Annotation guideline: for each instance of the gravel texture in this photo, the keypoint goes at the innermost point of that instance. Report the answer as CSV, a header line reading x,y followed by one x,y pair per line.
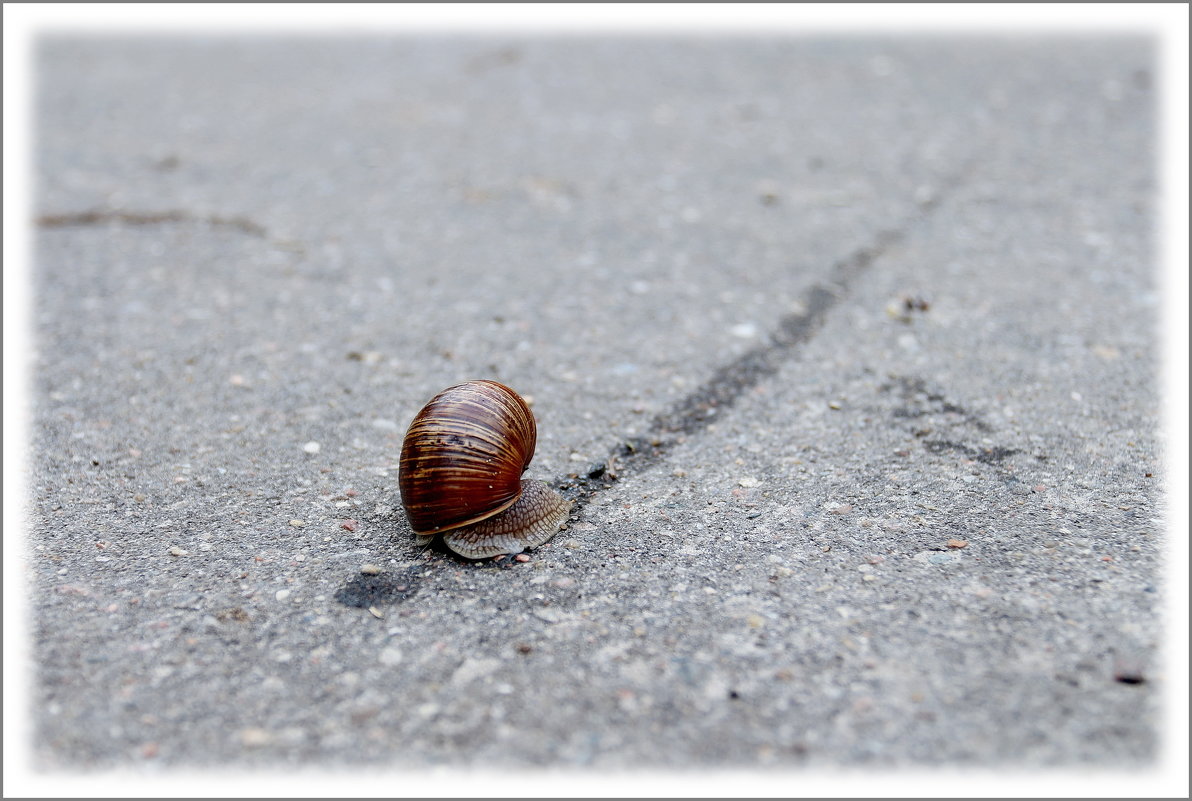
x,y
856,336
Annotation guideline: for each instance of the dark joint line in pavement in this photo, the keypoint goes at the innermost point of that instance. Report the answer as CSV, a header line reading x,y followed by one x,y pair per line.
x,y
692,414
99,217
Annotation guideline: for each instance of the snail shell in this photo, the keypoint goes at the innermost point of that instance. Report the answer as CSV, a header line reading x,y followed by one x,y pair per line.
x,y
460,473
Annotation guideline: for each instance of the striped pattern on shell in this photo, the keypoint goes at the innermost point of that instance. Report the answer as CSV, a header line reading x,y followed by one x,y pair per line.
x,y
464,454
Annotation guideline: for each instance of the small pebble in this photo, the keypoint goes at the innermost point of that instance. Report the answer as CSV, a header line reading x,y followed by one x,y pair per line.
x,y
370,570
176,551
843,509
1128,671
749,481
522,557
375,612
297,523
282,595
255,738
312,447
348,525
957,543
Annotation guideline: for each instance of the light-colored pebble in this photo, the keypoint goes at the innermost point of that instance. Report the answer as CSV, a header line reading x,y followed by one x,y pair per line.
x,y
255,737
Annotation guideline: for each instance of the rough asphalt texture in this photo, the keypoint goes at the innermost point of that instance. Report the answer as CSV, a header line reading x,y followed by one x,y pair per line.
x,y
826,308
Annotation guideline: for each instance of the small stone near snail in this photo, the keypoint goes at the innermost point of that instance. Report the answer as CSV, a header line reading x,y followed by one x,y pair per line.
x,y
460,473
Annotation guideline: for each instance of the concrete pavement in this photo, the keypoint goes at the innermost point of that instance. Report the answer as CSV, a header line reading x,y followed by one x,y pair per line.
x,y
856,337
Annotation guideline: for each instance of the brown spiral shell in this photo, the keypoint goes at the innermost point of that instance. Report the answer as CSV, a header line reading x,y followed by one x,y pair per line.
x,y
463,456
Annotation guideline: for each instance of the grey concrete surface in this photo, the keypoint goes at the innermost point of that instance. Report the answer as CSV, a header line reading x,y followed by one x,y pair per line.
x,y
876,317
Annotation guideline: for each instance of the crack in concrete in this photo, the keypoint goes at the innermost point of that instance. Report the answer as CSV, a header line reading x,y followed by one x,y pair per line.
x,y
694,413
107,217
912,389
993,455
921,402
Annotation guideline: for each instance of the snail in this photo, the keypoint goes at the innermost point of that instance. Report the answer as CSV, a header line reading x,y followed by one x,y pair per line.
x,y
460,473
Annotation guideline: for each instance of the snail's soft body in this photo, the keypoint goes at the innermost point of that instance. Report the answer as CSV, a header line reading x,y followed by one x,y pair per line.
x,y
460,473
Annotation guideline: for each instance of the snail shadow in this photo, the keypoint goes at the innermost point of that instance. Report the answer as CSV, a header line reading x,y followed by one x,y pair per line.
x,y
396,541
372,587
383,589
